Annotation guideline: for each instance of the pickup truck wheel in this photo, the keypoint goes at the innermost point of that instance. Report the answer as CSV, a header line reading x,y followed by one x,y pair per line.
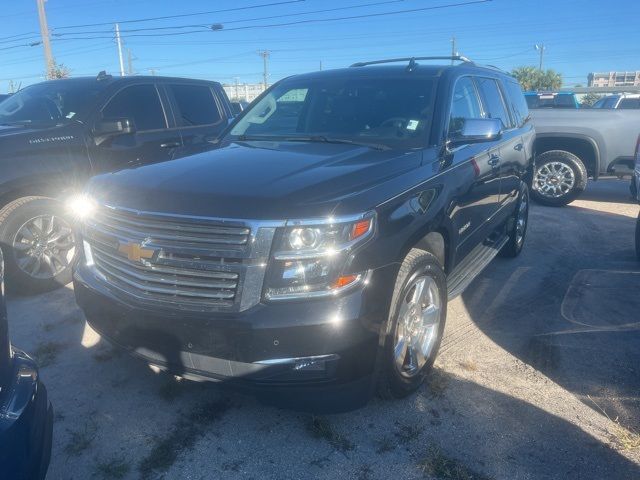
x,y
415,326
38,244
559,178
517,225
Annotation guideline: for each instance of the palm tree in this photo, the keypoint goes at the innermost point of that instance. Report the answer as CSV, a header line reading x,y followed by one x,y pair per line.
x,y
532,78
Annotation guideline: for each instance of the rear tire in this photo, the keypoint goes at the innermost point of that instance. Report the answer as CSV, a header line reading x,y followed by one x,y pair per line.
x,y
402,372
517,225
38,243
559,178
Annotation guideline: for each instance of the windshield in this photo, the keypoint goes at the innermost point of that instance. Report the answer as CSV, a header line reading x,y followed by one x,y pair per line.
x,y
394,112
551,100
48,103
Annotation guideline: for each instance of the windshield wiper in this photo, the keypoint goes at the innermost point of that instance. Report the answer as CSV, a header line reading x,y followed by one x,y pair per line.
x,y
325,139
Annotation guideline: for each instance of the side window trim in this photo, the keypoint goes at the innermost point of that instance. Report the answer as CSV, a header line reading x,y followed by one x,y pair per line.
x,y
162,105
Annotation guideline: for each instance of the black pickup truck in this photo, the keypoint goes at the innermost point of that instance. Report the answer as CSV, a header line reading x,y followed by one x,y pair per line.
x,y
315,250
55,135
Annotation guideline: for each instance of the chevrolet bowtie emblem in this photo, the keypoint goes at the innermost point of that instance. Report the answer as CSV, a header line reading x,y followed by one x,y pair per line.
x,y
135,252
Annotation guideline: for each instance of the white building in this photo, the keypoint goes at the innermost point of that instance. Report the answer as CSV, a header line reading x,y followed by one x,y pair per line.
x,y
614,79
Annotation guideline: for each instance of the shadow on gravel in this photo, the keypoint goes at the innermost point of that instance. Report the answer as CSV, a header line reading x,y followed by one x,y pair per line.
x,y
569,305
146,424
608,190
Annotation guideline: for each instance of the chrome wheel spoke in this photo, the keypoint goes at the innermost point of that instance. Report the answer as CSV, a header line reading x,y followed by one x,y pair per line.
x,y
44,246
417,327
400,353
554,179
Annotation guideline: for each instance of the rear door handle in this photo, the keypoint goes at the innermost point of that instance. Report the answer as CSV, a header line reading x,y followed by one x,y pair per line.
x,y
494,159
170,145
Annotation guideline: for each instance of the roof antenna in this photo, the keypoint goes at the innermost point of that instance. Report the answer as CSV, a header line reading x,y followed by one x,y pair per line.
x,y
412,65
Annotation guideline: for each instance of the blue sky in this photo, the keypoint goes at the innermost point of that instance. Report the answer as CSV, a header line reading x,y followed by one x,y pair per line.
x,y
580,36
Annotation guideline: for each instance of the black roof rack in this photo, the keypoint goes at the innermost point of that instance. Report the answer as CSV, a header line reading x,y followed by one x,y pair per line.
x,y
412,60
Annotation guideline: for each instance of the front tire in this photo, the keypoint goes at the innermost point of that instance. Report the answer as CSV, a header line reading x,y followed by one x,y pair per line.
x,y
415,325
38,244
559,178
517,225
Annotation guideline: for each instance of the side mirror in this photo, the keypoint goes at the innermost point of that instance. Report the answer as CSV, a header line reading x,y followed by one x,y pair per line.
x,y
477,130
119,126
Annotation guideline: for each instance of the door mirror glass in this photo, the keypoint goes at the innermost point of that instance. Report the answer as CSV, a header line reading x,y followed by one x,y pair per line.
x,y
112,127
476,130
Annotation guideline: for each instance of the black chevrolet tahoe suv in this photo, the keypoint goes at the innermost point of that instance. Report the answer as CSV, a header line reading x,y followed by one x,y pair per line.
x,y
313,253
55,135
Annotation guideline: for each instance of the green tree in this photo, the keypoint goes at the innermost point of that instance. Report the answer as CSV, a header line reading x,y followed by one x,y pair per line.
x,y
532,78
589,99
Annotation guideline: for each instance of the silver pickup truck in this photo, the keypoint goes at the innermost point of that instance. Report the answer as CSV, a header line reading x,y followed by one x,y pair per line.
x,y
573,145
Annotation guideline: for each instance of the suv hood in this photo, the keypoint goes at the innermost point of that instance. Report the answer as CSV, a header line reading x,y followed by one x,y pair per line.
x,y
259,180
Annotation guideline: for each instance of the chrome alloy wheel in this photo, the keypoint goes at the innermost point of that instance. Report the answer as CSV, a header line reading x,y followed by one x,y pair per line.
x,y
521,219
44,246
554,179
418,324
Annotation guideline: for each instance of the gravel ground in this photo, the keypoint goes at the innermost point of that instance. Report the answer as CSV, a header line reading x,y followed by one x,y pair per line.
x,y
537,378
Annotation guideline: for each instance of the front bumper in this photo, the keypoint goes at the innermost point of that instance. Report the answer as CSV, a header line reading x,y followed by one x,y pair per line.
x,y
26,423
284,347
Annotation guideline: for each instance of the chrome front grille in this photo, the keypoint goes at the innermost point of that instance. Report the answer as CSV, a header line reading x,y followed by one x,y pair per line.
x,y
179,262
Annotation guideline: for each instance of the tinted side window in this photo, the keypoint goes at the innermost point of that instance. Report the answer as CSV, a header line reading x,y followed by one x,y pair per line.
x,y
517,102
197,105
465,104
494,105
630,103
139,103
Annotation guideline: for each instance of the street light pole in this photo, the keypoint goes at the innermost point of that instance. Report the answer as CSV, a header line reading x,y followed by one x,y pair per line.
x,y
46,39
265,58
119,42
541,48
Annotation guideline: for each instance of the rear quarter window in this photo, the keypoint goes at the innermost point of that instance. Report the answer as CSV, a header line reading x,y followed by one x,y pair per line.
x,y
516,102
196,105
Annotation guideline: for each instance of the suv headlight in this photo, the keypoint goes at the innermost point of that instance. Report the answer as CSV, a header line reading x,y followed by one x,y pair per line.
x,y
309,260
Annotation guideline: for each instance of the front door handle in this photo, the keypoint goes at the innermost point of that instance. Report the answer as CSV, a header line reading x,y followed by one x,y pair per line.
x,y
518,147
170,145
494,159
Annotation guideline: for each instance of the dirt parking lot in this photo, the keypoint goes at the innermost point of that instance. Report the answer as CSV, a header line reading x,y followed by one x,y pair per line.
x,y
538,377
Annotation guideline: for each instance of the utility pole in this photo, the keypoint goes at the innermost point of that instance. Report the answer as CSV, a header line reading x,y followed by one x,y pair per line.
x,y
265,58
453,48
320,65
11,87
237,80
46,39
119,42
129,61
541,48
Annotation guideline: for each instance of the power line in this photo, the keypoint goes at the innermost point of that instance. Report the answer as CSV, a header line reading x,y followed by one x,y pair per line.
x,y
167,17
208,26
298,22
